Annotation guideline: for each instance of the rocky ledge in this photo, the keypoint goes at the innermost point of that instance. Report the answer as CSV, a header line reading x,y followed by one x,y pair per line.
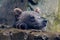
x,y
18,34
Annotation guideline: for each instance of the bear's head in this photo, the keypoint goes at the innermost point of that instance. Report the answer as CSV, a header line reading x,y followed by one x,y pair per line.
x,y
29,20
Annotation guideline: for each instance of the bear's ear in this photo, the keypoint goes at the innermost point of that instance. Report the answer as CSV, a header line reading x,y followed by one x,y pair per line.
x,y
37,10
17,11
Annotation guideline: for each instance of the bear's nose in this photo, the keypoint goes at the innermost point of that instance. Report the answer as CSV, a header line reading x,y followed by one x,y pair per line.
x,y
45,21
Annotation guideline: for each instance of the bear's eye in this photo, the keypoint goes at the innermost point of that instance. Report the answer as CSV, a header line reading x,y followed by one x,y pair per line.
x,y
32,17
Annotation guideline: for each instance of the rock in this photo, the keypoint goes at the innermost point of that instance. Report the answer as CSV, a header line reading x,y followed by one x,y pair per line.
x,y
17,34
12,35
